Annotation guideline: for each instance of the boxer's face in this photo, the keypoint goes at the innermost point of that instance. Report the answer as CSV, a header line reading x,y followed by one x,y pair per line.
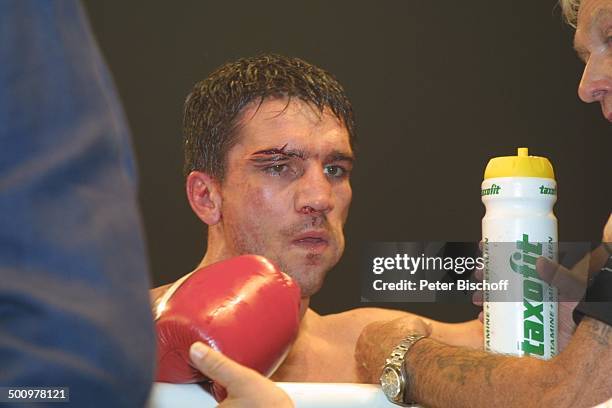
x,y
593,42
286,192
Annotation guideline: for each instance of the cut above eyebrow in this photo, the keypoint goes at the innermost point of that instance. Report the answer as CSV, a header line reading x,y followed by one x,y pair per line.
x,y
282,152
335,155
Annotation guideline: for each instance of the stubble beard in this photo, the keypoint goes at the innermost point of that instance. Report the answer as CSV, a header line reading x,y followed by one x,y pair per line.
x,y
308,271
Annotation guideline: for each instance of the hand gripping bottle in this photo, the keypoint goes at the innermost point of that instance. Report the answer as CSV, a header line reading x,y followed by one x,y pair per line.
x,y
519,226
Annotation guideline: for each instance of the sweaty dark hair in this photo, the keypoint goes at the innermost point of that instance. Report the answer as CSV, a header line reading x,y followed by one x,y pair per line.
x,y
213,108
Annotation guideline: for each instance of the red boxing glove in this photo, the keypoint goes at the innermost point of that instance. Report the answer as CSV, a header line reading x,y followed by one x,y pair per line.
x,y
243,307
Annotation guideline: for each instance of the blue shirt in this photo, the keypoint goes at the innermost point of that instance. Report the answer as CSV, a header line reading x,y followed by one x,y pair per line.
x,y
74,308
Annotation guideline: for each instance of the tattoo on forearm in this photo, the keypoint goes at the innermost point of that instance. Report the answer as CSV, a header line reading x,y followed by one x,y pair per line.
x,y
460,365
459,368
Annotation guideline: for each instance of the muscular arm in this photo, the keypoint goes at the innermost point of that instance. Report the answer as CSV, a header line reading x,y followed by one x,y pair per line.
x,y
448,376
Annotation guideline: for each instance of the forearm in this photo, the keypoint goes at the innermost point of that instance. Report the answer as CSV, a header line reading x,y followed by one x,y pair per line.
x,y
588,359
445,376
465,334
448,376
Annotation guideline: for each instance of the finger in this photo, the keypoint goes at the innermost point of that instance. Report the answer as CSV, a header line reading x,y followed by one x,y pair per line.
x,y
224,371
477,298
481,316
546,269
568,283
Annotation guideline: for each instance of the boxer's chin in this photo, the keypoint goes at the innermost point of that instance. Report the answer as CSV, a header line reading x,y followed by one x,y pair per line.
x,y
308,264
308,271
309,284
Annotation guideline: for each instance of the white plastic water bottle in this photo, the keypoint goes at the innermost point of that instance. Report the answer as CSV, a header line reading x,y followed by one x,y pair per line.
x,y
519,193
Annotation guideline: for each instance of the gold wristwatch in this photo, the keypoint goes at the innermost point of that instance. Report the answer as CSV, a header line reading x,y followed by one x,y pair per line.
x,y
394,380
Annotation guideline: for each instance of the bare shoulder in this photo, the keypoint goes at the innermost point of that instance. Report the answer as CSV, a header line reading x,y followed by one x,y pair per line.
x,y
157,292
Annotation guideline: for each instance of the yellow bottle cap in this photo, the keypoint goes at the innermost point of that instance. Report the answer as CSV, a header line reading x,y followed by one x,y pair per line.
x,y
521,165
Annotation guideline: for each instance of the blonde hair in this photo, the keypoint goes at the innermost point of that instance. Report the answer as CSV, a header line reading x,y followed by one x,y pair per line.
x,y
570,11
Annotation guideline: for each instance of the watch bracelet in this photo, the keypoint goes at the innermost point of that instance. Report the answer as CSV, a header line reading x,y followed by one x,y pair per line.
x,y
399,353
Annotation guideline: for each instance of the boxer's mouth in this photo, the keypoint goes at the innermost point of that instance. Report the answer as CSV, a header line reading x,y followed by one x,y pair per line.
x,y
312,240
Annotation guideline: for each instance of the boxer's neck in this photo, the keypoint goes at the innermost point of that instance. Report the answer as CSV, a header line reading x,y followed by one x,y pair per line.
x,y
216,249
304,302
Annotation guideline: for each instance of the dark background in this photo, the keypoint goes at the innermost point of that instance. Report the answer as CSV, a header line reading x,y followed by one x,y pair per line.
x,y
438,88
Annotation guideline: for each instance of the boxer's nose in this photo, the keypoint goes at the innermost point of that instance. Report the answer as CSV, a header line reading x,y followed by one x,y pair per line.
x,y
314,193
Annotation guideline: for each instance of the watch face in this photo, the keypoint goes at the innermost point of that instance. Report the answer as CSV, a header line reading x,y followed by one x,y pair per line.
x,y
390,382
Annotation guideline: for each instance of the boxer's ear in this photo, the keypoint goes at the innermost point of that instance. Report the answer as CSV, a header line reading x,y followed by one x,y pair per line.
x,y
204,195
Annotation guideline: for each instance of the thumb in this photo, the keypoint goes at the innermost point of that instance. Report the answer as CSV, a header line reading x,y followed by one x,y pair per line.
x,y
234,377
